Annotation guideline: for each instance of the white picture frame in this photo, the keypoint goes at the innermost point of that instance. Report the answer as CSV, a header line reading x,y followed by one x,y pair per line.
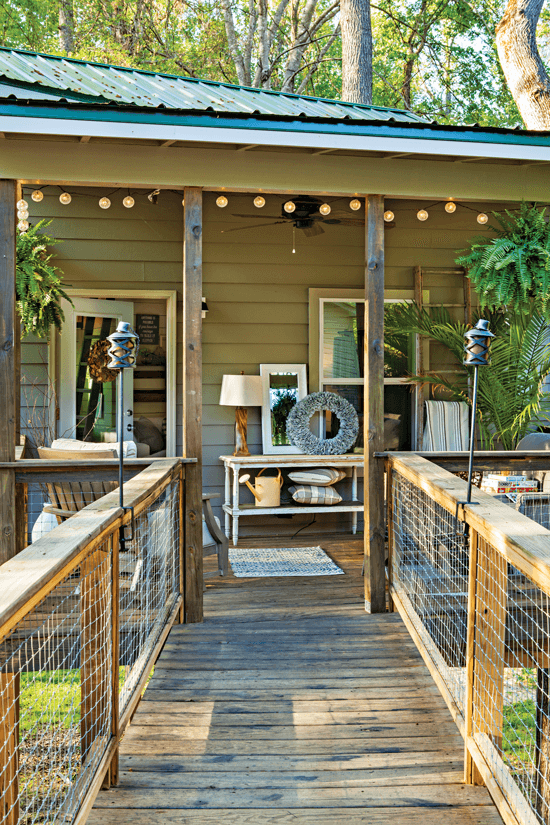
x,y
273,442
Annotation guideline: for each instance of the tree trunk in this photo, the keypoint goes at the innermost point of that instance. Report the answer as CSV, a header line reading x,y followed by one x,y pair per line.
x,y
66,26
356,51
521,63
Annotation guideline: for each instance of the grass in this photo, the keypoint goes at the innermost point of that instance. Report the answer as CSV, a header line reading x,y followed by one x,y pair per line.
x,y
519,734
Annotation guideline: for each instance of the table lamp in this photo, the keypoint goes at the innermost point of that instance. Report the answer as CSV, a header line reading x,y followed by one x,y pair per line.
x,y
241,391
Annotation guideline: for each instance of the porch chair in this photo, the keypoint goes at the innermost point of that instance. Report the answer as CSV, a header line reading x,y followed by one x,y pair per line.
x,y
68,497
220,542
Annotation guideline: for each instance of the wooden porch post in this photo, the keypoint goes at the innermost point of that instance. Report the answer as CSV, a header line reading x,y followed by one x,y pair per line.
x,y
375,580
8,547
192,401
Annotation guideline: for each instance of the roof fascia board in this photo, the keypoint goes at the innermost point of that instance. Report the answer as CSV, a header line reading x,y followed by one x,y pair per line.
x,y
371,137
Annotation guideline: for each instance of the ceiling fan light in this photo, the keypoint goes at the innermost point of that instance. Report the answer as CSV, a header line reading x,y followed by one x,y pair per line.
x,y
289,206
355,204
259,201
388,216
325,209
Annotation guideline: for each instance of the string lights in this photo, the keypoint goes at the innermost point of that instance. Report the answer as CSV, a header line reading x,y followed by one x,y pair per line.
x,y
450,206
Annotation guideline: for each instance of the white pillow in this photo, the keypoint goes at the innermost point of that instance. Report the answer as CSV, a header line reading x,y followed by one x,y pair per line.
x,y
319,478
130,449
315,495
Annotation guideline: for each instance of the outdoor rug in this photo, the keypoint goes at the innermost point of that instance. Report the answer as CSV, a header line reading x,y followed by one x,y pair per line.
x,y
281,561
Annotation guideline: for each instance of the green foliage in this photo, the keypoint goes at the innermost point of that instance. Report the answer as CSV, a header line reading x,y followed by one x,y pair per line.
x,y
38,283
512,270
511,390
519,733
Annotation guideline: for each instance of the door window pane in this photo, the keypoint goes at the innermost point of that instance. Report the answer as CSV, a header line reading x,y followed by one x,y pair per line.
x,y
95,400
343,336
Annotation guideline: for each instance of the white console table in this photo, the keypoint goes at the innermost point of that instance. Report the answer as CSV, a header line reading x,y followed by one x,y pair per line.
x,y
233,509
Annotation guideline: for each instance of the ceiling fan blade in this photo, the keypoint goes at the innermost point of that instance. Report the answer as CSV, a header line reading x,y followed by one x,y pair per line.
x,y
250,226
311,231
259,217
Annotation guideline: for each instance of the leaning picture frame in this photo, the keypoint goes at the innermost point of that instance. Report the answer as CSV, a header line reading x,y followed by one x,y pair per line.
x,y
283,385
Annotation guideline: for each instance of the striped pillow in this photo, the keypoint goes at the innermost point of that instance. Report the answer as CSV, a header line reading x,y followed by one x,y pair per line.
x,y
308,494
319,478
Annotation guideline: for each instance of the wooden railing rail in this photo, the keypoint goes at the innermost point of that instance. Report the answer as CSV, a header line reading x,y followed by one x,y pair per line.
x,y
472,583
80,629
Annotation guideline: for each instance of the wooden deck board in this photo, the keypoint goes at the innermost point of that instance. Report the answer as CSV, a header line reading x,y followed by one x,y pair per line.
x,y
291,706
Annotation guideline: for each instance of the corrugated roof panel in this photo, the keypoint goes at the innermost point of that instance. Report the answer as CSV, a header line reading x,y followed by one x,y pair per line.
x,y
43,75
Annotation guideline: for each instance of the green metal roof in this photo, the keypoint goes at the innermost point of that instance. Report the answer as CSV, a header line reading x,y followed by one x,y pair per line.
x,y
29,76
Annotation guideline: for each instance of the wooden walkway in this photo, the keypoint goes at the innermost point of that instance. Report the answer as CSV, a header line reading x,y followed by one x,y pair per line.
x,y
291,706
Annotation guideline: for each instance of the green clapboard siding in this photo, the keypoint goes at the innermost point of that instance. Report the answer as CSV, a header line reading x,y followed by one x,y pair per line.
x,y
255,286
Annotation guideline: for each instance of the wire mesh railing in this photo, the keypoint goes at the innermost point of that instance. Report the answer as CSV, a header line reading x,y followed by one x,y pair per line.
x,y
472,583
80,627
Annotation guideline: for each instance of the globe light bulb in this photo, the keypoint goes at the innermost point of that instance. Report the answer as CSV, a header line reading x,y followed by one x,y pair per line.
x,y
183,201
482,218
65,198
422,215
22,214
128,201
23,226
289,206
37,196
22,204
325,209
222,201
259,201
104,203
355,204
388,216
450,207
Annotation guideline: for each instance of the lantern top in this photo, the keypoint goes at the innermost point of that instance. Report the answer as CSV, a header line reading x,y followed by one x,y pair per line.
x,y
124,347
477,344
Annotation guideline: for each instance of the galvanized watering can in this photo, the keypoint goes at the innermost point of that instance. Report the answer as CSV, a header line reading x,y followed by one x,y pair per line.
x,y
267,490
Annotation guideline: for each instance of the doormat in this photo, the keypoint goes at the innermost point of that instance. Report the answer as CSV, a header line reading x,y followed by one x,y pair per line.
x,y
281,561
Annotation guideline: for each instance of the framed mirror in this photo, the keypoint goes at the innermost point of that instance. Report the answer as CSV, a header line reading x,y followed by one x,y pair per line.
x,y
283,385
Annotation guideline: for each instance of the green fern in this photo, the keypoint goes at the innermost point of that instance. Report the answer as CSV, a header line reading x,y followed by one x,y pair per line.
x,y
39,287
512,269
512,390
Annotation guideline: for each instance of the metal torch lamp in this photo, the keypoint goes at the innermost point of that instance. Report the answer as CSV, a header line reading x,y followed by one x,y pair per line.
x,y
123,354
477,347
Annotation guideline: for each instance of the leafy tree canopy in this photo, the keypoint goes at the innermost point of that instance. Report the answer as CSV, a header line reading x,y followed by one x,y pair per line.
x,y
434,57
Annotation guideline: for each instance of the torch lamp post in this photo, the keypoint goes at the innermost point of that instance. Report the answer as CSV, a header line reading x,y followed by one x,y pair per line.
x,y
123,353
476,354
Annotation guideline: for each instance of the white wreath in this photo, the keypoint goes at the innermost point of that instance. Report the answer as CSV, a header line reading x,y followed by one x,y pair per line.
x,y
299,434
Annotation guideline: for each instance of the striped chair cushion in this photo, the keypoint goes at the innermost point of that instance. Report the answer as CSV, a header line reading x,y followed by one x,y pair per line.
x,y
319,478
309,494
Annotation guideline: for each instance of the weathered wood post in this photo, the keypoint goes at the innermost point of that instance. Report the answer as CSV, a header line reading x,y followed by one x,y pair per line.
x,y
8,546
192,400
375,582
9,748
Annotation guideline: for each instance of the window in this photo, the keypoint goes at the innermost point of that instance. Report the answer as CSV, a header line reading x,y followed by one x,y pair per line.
x,y
337,321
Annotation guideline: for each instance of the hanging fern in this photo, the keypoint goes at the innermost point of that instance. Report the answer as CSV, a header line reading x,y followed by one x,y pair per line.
x,y
38,283
513,269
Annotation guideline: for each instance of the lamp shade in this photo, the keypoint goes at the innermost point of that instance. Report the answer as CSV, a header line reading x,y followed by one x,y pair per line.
x,y
241,391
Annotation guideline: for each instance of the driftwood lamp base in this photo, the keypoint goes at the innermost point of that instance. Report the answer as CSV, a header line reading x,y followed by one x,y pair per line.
x,y
241,418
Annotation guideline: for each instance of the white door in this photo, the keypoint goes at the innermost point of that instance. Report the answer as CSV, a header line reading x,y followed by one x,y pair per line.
x,y
87,408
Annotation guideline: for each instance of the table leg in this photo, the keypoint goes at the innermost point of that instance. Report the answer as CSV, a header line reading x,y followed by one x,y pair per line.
x,y
235,508
227,498
354,498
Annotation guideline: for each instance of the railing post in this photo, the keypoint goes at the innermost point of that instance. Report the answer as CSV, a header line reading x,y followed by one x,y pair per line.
x,y
9,748
486,653
389,511
471,773
95,648
111,777
181,545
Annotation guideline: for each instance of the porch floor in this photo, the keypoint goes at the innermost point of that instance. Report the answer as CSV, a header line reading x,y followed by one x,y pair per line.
x,y
291,705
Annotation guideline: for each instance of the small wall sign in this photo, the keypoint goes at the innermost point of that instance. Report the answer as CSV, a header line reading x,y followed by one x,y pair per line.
x,y
148,329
